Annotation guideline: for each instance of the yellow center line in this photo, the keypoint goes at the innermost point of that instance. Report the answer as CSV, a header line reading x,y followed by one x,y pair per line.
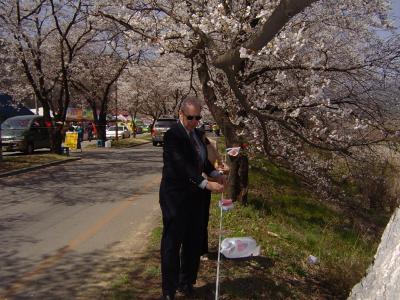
x,y
75,242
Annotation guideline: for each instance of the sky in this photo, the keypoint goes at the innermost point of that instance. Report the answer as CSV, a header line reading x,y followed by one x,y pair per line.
x,y
396,13
395,16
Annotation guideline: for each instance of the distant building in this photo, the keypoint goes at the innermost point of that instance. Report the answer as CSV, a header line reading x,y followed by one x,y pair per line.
x,y
39,111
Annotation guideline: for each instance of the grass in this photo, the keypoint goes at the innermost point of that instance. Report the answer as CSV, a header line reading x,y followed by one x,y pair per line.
x,y
140,279
129,142
290,223
16,162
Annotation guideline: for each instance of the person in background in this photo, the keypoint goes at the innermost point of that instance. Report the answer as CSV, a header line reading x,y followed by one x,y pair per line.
x,y
215,129
94,130
90,131
70,127
134,129
181,200
79,130
215,159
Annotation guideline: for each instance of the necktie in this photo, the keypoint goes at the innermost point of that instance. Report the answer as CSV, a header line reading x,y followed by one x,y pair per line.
x,y
197,148
194,143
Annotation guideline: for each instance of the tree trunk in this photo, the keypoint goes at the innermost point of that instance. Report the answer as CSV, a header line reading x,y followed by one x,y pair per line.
x,y
56,139
101,125
238,177
100,118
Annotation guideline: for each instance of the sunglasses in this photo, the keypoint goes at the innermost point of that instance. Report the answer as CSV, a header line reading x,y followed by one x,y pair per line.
x,y
190,118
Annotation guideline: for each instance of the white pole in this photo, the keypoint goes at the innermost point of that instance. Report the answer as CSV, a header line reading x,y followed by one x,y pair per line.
x,y
219,250
219,243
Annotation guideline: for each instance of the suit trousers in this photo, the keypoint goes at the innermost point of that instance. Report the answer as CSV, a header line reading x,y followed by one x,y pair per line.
x,y
181,241
206,217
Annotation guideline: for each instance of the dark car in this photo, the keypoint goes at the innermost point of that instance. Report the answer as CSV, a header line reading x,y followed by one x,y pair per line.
x,y
160,128
25,134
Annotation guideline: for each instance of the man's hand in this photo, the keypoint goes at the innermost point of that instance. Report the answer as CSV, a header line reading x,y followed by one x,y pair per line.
x,y
214,187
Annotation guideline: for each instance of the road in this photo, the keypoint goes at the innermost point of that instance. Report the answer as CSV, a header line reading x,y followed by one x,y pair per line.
x,y
62,226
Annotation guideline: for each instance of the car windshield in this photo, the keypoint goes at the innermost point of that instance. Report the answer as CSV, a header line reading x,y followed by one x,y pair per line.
x,y
15,124
112,128
164,123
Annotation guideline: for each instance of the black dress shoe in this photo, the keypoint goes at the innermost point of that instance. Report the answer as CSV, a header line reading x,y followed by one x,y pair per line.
x,y
187,290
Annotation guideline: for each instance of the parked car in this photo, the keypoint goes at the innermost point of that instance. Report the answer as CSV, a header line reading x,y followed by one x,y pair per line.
x,y
206,126
25,134
139,130
160,128
123,132
145,128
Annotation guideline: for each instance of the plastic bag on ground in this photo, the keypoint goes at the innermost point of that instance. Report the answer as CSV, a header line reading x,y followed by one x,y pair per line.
x,y
239,247
312,260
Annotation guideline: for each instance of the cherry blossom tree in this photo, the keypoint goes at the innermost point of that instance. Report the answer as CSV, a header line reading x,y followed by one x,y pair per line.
x,y
46,37
11,70
95,85
55,42
157,86
295,78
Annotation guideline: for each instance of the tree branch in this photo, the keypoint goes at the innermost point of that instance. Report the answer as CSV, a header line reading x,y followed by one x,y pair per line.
x,y
279,18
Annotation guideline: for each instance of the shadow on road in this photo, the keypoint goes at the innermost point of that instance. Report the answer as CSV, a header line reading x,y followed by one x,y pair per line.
x,y
101,176
66,278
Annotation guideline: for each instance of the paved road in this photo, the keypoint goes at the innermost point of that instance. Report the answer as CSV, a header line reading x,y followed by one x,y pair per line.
x,y
62,226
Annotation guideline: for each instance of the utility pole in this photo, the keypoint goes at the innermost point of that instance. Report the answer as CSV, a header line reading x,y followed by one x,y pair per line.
x,y
116,110
36,104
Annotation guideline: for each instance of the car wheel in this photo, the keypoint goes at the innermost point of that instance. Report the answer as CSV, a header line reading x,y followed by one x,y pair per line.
x,y
30,148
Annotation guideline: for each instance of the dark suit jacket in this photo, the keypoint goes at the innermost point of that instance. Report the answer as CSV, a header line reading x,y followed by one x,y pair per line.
x,y
181,176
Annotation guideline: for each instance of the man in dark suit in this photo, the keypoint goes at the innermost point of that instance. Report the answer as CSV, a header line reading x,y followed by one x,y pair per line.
x,y
181,200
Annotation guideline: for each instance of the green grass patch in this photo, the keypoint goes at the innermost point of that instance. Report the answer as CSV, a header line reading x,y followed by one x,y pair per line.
x,y
290,224
130,142
141,278
121,288
155,237
16,162
126,143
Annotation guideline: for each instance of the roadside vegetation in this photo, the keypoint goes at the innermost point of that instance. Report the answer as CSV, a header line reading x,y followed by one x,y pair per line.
x,y
123,143
290,223
16,162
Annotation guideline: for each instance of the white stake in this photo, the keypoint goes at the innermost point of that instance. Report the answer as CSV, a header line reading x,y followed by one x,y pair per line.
x,y
219,250
219,241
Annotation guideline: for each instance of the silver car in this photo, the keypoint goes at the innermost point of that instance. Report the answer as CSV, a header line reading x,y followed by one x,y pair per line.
x,y
123,132
160,128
